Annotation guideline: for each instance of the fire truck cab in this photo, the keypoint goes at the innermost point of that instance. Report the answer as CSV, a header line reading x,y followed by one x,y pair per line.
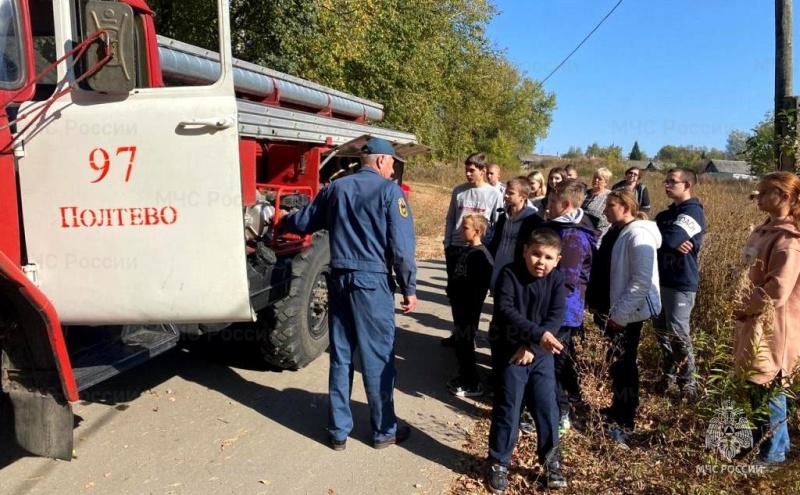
x,y
141,185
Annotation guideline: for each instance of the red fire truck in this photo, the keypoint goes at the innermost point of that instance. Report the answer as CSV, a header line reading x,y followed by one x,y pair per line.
x,y
141,182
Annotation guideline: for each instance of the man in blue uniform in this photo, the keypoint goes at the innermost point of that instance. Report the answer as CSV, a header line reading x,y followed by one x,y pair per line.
x,y
371,233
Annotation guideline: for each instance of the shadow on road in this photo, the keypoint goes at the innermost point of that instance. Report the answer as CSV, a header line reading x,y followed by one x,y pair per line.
x,y
210,363
306,412
10,451
423,368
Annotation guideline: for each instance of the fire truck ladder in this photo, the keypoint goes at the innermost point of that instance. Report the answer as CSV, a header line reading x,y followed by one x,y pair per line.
x,y
186,64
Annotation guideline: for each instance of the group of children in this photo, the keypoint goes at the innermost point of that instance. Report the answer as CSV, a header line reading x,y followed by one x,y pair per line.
x,y
537,267
538,309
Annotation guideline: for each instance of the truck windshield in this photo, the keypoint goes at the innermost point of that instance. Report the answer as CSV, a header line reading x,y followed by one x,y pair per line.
x,y
11,73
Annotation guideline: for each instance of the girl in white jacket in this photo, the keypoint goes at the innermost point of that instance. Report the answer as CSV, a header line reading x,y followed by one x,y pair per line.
x,y
623,294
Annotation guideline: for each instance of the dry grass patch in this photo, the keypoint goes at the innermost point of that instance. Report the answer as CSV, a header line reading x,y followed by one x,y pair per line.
x,y
664,454
429,204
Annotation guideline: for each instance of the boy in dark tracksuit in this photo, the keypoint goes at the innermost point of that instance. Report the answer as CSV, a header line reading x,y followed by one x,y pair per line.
x,y
578,237
529,307
467,288
682,227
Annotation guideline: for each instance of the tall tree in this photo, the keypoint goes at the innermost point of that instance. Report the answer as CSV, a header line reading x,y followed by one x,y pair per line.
x,y
688,156
594,149
760,149
274,33
736,144
611,153
573,152
430,64
636,153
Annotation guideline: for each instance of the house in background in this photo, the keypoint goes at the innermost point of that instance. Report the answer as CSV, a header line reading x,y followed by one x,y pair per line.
x,y
648,165
728,169
640,164
658,166
534,161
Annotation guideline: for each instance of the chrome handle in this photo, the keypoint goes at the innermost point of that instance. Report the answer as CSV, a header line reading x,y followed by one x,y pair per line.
x,y
215,122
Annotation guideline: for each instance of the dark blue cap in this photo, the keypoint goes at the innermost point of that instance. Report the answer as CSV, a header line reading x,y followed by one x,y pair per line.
x,y
378,146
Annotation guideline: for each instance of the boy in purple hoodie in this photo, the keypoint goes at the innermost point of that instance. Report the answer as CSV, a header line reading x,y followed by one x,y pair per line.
x,y
578,237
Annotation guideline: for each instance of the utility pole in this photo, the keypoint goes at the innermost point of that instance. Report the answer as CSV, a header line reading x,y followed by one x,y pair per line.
x,y
785,125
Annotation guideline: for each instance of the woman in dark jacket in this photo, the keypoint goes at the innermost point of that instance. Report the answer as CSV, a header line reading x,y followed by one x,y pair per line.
x,y
633,183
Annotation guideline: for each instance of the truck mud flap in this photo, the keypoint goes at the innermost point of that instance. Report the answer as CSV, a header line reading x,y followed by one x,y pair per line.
x,y
43,424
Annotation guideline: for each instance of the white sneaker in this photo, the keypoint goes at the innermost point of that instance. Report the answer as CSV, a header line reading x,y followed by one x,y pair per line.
x,y
527,428
462,391
564,425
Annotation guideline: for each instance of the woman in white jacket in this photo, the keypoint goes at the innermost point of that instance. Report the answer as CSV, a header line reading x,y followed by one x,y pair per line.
x,y
623,294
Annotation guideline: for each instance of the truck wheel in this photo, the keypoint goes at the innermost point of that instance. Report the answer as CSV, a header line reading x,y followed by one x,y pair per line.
x,y
298,323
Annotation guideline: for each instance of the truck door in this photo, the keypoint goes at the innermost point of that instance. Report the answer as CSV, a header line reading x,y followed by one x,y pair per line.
x,y
131,202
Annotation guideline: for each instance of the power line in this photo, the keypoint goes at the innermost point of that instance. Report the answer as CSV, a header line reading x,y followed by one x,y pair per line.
x,y
582,42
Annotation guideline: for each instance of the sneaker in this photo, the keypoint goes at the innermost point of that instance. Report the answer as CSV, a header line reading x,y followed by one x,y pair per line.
x,y
554,477
402,434
454,382
497,479
527,428
576,403
337,445
464,391
764,466
691,395
448,342
666,386
620,435
564,425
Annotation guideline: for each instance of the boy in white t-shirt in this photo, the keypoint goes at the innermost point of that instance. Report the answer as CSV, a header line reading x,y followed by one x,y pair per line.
x,y
474,196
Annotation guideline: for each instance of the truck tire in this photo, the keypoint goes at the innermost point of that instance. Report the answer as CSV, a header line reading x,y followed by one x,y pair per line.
x,y
297,325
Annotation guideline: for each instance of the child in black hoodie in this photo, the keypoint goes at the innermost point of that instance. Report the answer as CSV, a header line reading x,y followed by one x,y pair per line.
x,y
467,288
529,306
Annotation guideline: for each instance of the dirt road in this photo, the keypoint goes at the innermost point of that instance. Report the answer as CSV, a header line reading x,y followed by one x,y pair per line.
x,y
209,418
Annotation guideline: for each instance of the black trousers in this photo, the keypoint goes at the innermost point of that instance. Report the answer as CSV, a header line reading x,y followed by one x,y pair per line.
x,y
567,385
466,317
536,382
624,372
451,254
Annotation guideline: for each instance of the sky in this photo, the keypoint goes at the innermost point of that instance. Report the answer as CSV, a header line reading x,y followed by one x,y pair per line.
x,y
680,72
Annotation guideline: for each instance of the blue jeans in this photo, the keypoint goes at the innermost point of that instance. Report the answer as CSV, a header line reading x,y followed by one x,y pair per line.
x,y
773,429
361,319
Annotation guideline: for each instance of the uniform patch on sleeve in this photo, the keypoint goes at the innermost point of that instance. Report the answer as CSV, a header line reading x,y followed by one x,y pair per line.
x,y
401,205
688,224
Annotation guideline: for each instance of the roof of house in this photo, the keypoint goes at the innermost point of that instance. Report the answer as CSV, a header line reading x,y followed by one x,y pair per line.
x,y
637,163
728,166
529,158
659,165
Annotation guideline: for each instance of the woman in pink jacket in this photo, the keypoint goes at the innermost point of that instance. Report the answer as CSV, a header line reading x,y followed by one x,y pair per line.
x,y
767,339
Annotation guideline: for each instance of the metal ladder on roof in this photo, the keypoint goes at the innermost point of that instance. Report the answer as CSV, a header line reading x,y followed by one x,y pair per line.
x,y
188,64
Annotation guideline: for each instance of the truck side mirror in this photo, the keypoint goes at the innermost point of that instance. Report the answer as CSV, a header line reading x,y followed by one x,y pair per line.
x,y
118,75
